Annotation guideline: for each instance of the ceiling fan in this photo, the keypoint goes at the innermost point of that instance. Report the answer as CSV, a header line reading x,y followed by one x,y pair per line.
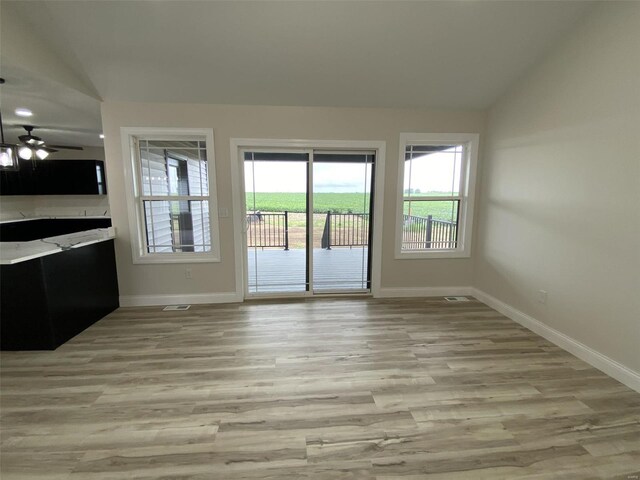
x,y
32,147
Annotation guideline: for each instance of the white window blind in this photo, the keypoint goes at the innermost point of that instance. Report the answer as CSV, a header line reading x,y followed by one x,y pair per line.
x,y
174,196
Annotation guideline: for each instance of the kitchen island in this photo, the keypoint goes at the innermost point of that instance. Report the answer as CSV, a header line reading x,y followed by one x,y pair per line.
x,y
53,288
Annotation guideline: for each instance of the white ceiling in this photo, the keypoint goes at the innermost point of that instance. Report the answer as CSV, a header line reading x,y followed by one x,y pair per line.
x,y
62,115
449,55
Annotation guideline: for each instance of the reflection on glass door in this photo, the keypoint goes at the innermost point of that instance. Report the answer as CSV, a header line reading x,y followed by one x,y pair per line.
x,y
342,221
276,222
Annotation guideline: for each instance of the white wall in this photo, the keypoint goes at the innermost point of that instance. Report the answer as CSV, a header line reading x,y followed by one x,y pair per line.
x,y
51,205
282,123
560,191
23,48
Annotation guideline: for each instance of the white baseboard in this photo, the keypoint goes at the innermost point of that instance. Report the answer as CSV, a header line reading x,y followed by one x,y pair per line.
x,y
194,298
594,358
422,292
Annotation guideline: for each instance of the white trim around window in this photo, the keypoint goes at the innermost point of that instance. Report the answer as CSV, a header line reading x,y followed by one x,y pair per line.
x,y
130,136
465,197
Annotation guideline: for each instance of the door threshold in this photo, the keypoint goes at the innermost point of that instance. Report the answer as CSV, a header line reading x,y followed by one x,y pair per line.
x,y
334,293
308,297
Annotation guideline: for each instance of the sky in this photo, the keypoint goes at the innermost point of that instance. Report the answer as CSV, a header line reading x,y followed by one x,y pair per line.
x,y
437,172
292,177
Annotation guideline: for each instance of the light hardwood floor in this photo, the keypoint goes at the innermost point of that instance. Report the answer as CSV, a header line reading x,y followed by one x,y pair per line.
x,y
320,389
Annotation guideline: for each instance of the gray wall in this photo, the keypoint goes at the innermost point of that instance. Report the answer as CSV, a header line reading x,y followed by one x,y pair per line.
x,y
280,123
560,192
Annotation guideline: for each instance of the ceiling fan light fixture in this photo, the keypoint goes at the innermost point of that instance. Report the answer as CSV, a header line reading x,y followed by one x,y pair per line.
x,y
8,157
26,153
8,154
34,148
42,153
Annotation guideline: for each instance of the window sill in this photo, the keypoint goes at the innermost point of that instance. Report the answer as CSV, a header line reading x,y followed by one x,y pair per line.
x,y
170,258
424,255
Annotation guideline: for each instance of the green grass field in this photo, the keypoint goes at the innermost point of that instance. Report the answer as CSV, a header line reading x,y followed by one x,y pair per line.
x,y
337,203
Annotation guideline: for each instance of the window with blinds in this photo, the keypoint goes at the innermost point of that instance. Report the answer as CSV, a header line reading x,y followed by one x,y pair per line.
x,y
173,198
434,198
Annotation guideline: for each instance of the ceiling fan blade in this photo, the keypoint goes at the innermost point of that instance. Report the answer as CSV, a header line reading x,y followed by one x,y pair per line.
x,y
27,138
66,147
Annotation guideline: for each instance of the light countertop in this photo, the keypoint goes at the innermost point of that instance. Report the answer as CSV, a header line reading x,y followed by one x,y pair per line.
x,y
49,217
16,252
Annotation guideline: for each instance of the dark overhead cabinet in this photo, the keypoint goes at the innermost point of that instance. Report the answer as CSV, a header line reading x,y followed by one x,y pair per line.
x,y
19,182
55,177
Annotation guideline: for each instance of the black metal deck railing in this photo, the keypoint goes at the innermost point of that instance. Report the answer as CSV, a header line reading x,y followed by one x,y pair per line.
x,y
268,230
424,232
345,230
271,230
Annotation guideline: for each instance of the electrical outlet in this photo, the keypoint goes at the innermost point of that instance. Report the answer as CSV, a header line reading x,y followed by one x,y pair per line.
x,y
187,273
542,297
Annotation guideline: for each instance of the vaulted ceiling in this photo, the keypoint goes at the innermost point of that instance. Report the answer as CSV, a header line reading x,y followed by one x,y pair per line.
x,y
434,54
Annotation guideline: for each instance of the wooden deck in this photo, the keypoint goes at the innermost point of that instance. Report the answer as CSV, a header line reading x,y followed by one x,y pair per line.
x,y
278,270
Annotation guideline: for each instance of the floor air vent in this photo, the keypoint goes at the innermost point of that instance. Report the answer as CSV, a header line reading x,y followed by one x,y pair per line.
x,y
175,307
456,299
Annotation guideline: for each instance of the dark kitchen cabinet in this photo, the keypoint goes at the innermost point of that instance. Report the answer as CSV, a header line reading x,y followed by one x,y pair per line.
x,y
19,182
55,177
48,300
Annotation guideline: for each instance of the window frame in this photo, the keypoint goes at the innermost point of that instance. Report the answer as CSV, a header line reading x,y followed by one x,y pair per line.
x,y
135,208
467,193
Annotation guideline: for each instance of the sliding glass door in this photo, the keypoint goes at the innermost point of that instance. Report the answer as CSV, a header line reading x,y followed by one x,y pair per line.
x,y
307,221
341,221
276,186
